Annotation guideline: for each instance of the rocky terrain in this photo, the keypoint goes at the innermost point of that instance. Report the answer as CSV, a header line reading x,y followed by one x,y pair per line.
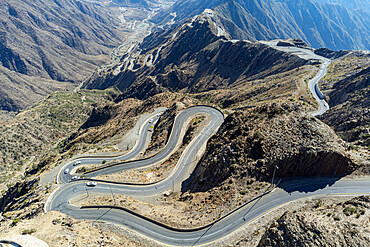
x,y
325,52
262,91
47,45
317,22
109,121
163,170
251,143
348,87
29,140
192,58
57,229
361,5
139,3
341,224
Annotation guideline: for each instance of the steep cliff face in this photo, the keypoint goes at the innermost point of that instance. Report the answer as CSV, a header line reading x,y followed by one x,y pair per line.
x,y
195,57
342,224
250,143
20,196
9,58
320,24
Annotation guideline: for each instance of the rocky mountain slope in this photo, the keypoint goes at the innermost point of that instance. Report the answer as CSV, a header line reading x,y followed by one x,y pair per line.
x,y
347,85
191,58
362,5
43,43
341,224
320,25
251,143
29,139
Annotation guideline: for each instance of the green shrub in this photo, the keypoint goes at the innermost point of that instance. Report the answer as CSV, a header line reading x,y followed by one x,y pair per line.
x,y
15,221
28,231
318,203
349,211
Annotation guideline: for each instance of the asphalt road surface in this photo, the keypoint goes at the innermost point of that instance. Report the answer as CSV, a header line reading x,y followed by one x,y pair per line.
x,y
308,54
64,176
288,191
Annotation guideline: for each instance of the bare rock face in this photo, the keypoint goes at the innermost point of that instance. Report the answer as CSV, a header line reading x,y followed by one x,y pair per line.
x,y
250,144
349,100
325,52
342,224
9,58
19,196
195,57
293,42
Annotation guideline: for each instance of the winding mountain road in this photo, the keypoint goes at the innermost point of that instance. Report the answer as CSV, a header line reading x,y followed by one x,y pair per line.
x,y
313,83
288,191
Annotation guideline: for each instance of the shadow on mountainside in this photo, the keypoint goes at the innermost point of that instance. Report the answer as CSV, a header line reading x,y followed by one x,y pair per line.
x,y
307,184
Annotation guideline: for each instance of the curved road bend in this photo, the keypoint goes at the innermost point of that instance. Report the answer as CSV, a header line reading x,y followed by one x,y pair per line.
x,y
308,54
306,187
216,117
139,146
323,105
292,190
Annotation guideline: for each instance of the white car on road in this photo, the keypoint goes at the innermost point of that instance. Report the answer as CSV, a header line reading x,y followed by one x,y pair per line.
x,y
91,184
77,163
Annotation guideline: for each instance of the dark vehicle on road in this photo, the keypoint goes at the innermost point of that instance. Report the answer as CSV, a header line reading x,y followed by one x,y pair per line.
x,y
318,92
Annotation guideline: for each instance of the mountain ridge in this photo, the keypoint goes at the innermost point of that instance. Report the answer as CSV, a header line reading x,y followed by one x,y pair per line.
x,y
320,25
195,57
50,45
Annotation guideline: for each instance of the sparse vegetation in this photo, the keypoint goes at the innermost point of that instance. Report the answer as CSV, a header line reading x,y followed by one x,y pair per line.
x,y
28,231
349,210
38,129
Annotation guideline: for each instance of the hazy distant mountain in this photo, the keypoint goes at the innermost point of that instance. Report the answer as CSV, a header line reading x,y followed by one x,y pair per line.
x,y
351,4
46,40
141,3
320,25
135,3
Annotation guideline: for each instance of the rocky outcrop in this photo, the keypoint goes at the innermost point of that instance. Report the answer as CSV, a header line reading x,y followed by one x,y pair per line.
x,y
325,52
343,224
16,195
192,58
293,42
113,119
163,128
349,102
250,143
9,58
